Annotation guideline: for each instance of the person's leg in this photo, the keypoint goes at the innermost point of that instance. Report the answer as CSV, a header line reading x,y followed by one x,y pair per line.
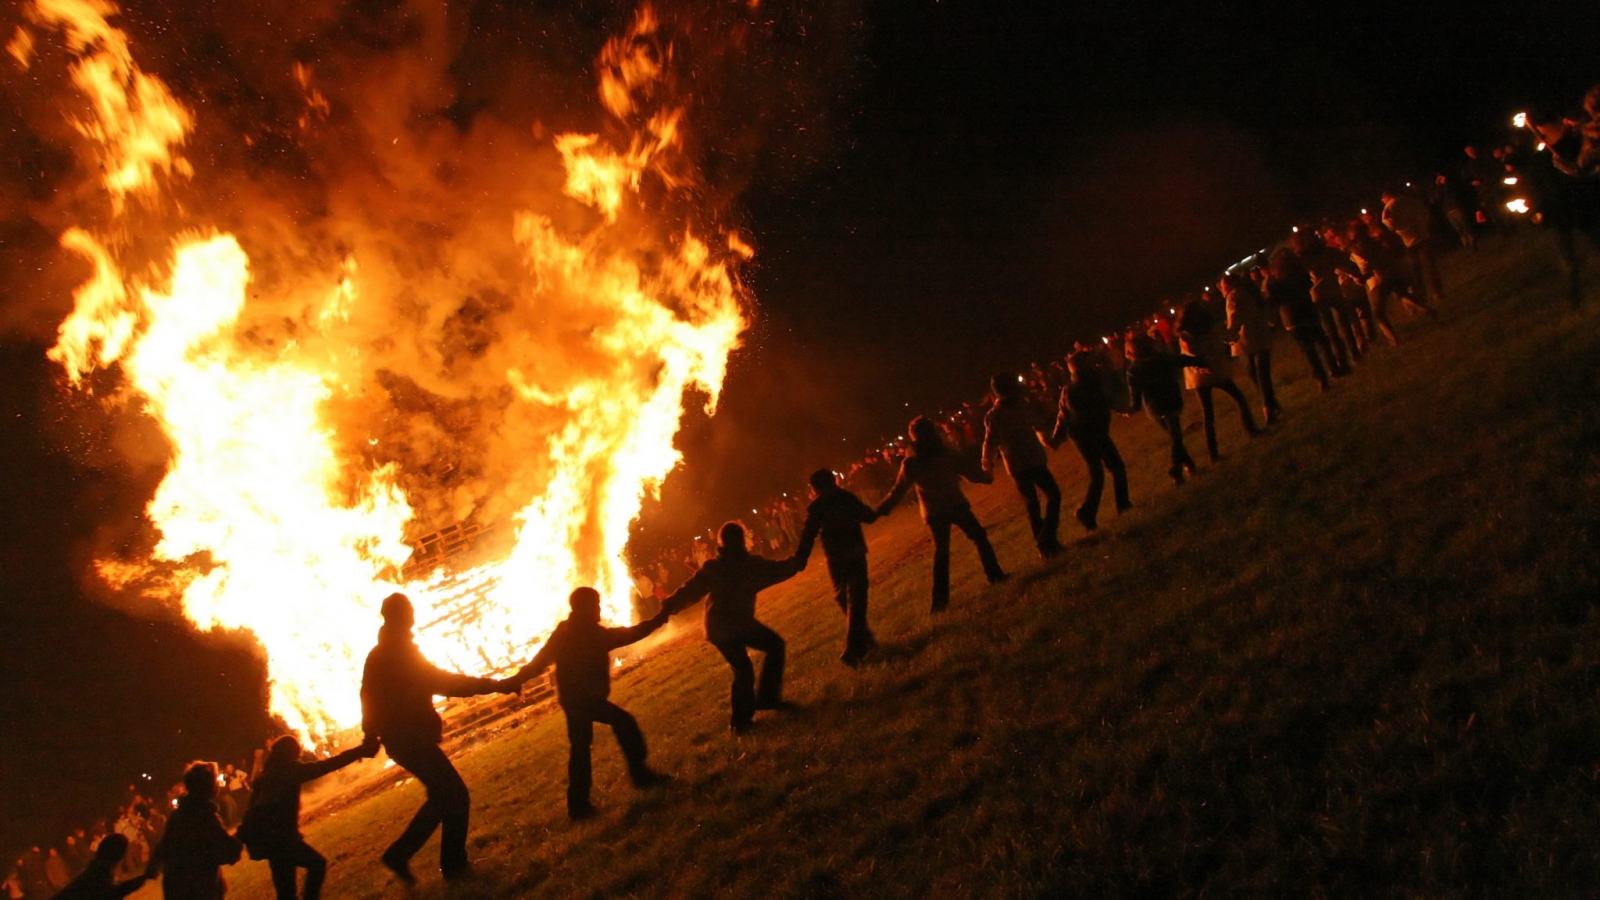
x,y
1269,396
1119,473
283,877
769,688
1341,353
839,577
580,761
1208,417
941,563
1026,484
1378,293
316,866
1181,460
1090,510
1308,348
858,633
448,807
1047,536
1245,418
969,525
630,740
743,699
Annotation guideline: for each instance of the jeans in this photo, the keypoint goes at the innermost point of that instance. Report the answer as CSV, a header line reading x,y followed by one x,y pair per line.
x,y
968,523
580,734
448,805
746,695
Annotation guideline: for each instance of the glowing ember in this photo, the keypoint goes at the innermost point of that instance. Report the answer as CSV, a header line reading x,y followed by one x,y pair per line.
x,y
1518,206
299,464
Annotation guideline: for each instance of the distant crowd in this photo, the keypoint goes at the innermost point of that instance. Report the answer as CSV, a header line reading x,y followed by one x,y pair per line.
x,y
1330,286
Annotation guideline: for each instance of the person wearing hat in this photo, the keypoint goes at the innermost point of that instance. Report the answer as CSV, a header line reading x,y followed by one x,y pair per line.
x,y
836,515
730,581
397,689
580,649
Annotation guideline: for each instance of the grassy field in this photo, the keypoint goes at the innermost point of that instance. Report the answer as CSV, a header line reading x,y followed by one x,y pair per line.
x,y
1358,657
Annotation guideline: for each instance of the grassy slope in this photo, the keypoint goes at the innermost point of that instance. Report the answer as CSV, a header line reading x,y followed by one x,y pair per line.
x,y
1356,658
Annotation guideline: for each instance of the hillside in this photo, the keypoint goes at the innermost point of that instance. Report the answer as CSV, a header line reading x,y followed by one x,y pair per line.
x,y
1356,658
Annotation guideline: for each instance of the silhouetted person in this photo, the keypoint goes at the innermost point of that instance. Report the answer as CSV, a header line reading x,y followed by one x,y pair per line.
x,y
1252,337
1154,386
730,581
1016,429
1084,415
936,472
1202,336
580,649
397,690
1289,288
196,846
98,879
271,828
836,515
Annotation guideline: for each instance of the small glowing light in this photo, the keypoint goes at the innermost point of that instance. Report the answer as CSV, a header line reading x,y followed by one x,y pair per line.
x,y
1408,184
1363,211
1540,147
1518,206
1509,179
1520,120
1105,340
1295,229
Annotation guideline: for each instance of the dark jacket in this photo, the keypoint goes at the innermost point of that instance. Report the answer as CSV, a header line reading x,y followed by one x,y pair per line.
x,y
1012,427
1084,410
273,821
96,883
398,686
731,580
1153,382
937,478
193,851
581,652
1292,295
836,516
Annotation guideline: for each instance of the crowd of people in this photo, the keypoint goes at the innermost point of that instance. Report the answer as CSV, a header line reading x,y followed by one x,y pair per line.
x,y
1329,286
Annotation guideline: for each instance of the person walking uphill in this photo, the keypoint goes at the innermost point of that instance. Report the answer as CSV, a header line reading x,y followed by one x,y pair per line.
x,y
836,515
580,649
936,472
1017,431
397,690
1084,415
195,847
1153,386
271,826
730,581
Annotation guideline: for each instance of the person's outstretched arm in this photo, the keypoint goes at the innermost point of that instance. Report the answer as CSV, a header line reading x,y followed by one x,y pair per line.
x,y
542,660
622,637
698,585
808,537
313,770
902,483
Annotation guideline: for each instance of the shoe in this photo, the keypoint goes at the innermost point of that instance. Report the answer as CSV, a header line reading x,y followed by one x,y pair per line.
x,y
457,875
1049,549
996,579
650,778
777,705
1086,519
741,728
1124,507
401,868
939,606
581,813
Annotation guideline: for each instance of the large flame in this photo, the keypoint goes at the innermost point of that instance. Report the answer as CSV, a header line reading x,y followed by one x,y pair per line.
x,y
280,512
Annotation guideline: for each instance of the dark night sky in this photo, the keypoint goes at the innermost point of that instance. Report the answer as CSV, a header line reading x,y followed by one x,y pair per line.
x,y
997,179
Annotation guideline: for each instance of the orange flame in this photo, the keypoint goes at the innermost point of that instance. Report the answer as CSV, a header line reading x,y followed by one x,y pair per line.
x,y
269,522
